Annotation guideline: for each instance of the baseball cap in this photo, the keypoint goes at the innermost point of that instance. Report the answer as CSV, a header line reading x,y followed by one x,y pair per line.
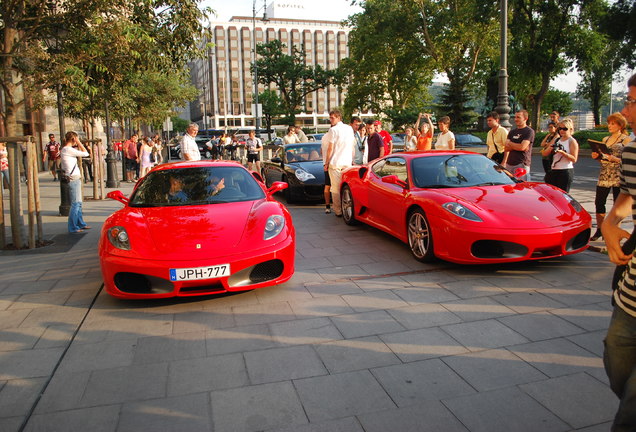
x,y
377,123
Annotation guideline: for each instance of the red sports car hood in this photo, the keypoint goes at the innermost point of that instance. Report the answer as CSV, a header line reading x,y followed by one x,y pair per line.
x,y
526,205
218,227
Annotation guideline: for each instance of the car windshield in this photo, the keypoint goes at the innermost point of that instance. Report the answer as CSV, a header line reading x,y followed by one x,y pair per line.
x,y
303,153
461,170
196,185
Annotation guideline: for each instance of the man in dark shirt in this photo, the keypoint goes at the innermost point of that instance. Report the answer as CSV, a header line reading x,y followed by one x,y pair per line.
x,y
374,142
519,145
52,150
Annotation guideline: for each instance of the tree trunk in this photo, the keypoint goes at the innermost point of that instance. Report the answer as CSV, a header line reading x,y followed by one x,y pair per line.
x,y
535,115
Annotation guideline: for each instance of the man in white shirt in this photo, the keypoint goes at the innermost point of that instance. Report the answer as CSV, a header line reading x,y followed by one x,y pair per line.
x,y
189,148
339,141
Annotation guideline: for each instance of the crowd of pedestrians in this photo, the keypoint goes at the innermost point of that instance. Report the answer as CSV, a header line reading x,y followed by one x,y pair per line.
x,y
141,155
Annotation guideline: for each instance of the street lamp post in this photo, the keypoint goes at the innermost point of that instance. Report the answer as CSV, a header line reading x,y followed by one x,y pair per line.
x,y
257,114
503,109
205,109
65,197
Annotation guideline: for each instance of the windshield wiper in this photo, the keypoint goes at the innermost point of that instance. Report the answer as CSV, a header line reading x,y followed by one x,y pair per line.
x,y
490,184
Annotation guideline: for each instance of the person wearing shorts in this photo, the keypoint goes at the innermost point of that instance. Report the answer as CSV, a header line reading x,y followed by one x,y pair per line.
x,y
254,148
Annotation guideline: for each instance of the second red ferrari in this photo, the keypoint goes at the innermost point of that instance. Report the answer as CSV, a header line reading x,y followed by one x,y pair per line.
x,y
463,207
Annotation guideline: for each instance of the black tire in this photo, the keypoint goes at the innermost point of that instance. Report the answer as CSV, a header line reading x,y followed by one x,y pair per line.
x,y
420,236
347,204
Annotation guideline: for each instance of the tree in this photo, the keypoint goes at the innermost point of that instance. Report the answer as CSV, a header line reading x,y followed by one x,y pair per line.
x,y
290,75
272,107
461,38
620,25
545,40
386,67
100,49
596,58
557,100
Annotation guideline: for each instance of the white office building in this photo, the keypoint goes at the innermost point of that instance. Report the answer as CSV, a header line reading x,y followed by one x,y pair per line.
x,y
225,80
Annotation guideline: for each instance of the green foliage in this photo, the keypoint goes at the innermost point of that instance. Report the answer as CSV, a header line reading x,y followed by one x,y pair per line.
x,y
386,67
129,53
557,100
179,124
620,26
396,46
546,37
272,107
292,77
454,104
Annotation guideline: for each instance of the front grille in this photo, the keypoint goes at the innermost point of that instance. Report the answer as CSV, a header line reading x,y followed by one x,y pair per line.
x,y
137,283
267,270
495,249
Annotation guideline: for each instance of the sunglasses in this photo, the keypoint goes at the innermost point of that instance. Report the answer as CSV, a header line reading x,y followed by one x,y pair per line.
x,y
563,129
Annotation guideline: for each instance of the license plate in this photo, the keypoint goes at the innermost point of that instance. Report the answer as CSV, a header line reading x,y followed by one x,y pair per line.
x,y
197,273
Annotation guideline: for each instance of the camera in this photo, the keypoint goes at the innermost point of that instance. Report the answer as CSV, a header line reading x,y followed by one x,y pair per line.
x,y
558,146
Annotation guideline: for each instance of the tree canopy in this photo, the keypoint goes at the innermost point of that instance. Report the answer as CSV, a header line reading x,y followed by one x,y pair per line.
x,y
131,54
292,77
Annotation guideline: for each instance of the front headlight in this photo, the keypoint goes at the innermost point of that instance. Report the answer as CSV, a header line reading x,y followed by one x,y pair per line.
x,y
463,212
303,175
273,226
574,203
118,237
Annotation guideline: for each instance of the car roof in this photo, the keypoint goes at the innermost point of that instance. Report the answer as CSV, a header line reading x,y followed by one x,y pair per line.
x,y
197,164
426,153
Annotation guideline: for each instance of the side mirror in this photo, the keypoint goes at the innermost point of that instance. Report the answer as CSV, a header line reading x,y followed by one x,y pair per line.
x,y
118,196
520,172
393,179
276,187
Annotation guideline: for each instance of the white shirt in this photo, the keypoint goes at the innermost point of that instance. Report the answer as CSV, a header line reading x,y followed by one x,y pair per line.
x,y
190,147
560,161
443,140
69,161
342,138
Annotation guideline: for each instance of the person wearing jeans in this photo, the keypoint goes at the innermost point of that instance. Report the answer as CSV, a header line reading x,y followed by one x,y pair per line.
x,y
71,169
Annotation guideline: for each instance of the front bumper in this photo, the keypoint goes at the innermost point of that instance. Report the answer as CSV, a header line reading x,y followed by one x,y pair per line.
x,y
143,278
469,246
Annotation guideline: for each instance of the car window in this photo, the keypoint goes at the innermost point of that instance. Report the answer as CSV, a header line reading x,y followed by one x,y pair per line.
x,y
196,185
303,153
461,170
391,166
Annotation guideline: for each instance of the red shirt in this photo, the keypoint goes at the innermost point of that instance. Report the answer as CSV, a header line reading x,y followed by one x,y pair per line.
x,y
53,149
131,147
386,139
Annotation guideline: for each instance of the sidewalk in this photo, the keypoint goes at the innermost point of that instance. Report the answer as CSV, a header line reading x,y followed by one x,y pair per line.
x,y
363,338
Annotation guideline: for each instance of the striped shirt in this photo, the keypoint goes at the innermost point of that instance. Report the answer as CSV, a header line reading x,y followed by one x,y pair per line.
x,y
625,295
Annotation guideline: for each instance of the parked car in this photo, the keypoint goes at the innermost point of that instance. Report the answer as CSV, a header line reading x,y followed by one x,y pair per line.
x,y
301,166
470,142
461,207
195,228
315,137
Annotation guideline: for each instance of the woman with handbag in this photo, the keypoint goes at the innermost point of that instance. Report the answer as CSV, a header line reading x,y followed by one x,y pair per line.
x,y
566,153
71,174
609,175
547,142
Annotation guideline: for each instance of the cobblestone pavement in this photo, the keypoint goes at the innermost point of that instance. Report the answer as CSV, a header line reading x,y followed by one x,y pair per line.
x,y
363,338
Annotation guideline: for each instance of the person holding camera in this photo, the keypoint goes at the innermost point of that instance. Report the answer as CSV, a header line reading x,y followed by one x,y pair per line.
x,y
71,172
565,152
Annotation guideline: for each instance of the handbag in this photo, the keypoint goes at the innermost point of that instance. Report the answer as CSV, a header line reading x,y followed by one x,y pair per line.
x,y
497,157
152,157
64,178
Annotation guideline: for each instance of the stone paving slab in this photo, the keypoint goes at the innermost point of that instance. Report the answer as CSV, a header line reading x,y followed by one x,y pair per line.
x,y
363,338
